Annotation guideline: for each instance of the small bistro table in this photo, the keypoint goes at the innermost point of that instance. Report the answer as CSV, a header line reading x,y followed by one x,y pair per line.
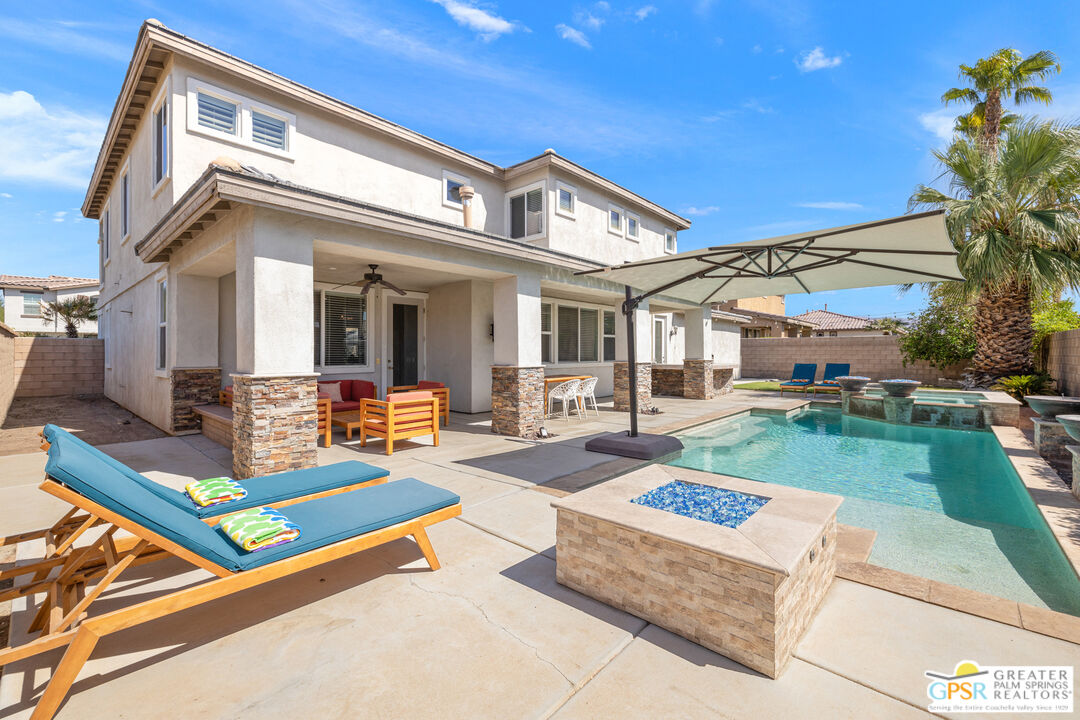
x,y
350,420
556,379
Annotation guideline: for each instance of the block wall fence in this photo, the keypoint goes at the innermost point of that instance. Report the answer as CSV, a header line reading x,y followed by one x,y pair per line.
x,y
42,367
876,356
1063,361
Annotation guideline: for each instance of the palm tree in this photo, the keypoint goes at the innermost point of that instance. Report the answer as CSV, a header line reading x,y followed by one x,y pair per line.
x,y
1006,72
1014,217
72,311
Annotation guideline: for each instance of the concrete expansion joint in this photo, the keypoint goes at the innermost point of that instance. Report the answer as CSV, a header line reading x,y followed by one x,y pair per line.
x,y
487,618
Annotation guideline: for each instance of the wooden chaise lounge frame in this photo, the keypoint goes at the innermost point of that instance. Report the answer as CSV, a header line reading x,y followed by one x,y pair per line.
x,y
63,617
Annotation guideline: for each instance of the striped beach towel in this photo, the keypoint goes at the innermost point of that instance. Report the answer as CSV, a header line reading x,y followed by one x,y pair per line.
x,y
214,491
259,528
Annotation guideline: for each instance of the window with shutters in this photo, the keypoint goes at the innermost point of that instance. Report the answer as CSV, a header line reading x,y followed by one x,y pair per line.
x,y
317,305
577,332
269,130
218,114
545,332
609,335
525,211
345,330
225,115
566,199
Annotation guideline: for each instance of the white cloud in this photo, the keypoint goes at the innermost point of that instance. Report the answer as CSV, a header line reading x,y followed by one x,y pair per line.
x,y
488,25
940,122
643,12
750,105
754,105
756,49
816,59
62,37
783,227
830,205
588,20
58,216
573,35
55,146
694,211
6,196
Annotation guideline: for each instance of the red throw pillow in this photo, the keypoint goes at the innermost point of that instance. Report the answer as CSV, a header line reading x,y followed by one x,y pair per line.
x,y
428,384
363,389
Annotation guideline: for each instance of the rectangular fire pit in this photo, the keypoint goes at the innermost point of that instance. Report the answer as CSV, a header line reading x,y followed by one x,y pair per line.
x,y
737,566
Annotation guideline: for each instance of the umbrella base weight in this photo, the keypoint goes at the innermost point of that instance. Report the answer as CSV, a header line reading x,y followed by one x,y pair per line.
x,y
641,447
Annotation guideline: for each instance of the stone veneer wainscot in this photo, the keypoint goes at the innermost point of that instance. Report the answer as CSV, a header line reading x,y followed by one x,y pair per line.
x,y
517,400
191,387
622,386
275,424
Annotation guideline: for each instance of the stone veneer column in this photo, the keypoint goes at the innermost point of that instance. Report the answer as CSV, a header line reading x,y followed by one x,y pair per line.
x,y
1051,441
1074,450
698,379
191,387
723,380
622,386
275,424
517,400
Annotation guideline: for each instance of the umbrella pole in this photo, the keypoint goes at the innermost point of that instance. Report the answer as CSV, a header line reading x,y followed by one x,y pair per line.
x,y
631,359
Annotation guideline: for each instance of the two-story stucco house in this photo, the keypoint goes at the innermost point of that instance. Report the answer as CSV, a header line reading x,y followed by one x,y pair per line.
x,y
239,212
24,297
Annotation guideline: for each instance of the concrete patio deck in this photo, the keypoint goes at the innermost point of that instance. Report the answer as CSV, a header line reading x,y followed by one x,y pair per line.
x,y
491,634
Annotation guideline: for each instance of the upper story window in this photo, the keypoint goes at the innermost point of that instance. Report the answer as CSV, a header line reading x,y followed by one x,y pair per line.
x,y
268,130
31,304
566,199
104,234
218,114
160,120
669,241
615,220
452,183
125,205
525,211
229,116
633,227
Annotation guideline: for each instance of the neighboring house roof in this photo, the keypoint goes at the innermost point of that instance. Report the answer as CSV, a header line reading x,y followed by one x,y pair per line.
x,y
777,318
826,320
730,316
53,282
147,67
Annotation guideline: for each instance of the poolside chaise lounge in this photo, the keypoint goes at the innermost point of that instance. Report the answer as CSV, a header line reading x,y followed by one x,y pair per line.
x,y
333,527
802,377
276,490
829,383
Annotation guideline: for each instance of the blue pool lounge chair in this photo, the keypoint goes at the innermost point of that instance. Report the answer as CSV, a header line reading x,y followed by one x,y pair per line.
x,y
276,490
802,377
828,378
332,528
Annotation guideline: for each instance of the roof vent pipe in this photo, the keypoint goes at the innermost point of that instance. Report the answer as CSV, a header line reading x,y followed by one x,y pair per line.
x,y
466,192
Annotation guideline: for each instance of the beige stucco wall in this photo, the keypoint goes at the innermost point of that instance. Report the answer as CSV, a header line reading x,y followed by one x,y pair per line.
x,y
14,318
772,304
7,369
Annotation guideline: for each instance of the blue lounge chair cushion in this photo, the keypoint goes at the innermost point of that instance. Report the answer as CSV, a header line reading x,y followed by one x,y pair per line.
x,y
264,490
802,374
835,370
324,521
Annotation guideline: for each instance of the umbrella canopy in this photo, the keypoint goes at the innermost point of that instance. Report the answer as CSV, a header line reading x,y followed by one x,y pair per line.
x,y
907,249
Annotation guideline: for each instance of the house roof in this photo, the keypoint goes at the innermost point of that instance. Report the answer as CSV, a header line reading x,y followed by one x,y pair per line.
x,y
776,318
53,282
156,43
826,320
730,316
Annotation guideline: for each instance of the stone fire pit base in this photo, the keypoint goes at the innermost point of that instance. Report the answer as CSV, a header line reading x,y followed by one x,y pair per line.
x,y
747,592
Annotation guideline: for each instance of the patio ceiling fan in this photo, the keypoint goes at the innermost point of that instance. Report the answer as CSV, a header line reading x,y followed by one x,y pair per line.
x,y
372,279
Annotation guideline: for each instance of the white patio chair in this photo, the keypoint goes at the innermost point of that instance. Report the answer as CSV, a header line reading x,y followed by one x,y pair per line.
x,y
565,392
587,392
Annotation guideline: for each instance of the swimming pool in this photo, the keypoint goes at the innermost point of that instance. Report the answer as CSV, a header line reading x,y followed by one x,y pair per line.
x,y
946,504
949,397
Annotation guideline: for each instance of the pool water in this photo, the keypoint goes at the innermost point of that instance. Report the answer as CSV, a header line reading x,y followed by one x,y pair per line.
x,y
937,396
946,504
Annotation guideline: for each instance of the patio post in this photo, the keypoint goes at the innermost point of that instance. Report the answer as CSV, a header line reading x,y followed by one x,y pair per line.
x,y
698,357
632,344
517,375
274,391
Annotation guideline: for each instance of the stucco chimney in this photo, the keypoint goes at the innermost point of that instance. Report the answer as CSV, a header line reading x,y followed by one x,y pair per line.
x,y
466,192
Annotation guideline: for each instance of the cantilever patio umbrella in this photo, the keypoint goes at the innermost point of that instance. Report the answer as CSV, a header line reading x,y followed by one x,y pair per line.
x,y
907,249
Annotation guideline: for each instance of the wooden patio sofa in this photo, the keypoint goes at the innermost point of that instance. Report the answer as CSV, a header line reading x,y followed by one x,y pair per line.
x,y
333,528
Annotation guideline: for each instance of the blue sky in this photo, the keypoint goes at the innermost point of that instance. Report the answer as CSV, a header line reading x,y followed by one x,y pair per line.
x,y
754,119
